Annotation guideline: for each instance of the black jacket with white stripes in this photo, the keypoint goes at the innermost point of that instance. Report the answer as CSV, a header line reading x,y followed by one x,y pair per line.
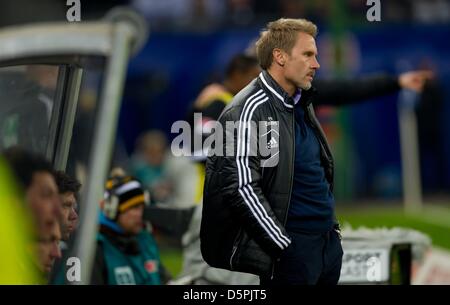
x,y
246,204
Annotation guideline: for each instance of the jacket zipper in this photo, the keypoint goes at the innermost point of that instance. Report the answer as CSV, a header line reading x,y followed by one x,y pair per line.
x,y
235,246
292,166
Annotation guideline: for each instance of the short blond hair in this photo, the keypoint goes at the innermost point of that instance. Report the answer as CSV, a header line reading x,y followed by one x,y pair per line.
x,y
281,34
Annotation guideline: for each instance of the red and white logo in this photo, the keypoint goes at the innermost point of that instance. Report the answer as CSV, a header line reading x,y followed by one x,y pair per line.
x,y
151,266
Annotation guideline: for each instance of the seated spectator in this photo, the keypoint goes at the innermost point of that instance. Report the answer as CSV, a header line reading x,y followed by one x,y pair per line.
x,y
35,176
16,233
68,188
48,248
170,180
68,192
126,252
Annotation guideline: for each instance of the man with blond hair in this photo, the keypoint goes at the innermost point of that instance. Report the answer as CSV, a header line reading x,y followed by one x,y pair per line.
x,y
273,214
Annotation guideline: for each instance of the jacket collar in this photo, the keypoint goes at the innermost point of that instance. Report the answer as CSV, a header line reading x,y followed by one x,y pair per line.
x,y
281,95
110,223
126,243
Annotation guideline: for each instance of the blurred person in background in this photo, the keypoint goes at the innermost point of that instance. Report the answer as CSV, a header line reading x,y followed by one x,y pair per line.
x,y
17,234
68,188
147,163
341,92
46,78
48,249
35,176
430,111
126,251
171,181
27,94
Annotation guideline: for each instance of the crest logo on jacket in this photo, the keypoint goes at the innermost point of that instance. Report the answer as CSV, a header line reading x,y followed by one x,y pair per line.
x,y
151,266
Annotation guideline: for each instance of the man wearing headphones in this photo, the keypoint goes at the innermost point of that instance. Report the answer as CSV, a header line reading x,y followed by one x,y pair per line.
x,y
126,252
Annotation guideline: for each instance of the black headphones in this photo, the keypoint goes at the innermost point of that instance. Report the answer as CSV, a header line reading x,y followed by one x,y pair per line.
x,y
111,205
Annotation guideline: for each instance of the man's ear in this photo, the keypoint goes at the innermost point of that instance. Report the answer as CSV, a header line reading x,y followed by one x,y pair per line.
x,y
279,56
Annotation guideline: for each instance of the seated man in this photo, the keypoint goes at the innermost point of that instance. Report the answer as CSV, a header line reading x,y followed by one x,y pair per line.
x,y
35,176
48,248
126,252
68,188
68,192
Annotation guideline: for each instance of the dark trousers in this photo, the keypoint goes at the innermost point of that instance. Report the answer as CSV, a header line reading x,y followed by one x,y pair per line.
x,y
311,259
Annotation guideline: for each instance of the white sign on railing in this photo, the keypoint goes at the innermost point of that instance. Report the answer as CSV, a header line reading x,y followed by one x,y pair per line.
x,y
365,266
